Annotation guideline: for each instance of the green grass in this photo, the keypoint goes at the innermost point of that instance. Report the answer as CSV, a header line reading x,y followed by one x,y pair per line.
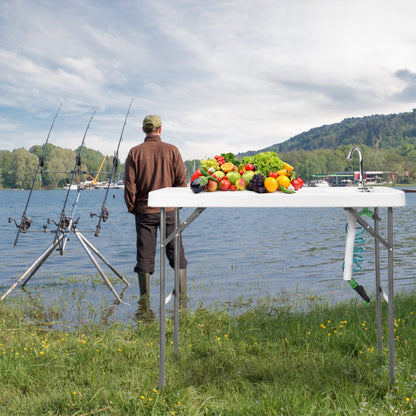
x,y
266,361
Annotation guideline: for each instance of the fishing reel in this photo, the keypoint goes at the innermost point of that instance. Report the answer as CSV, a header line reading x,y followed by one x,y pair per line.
x,y
105,213
63,224
24,225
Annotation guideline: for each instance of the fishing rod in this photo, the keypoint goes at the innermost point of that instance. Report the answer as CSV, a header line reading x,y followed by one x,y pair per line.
x,y
105,212
25,221
65,223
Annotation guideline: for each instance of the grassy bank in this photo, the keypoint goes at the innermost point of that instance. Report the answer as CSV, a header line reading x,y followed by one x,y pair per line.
x,y
266,361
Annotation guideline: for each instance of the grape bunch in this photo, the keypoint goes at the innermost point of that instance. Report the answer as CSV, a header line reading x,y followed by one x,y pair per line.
x,y
208,163
257,184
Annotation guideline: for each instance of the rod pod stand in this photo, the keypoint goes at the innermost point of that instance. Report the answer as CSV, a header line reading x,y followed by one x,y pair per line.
x,y
87,246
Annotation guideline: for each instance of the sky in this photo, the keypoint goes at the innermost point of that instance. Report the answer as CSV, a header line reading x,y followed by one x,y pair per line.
x,y
224,75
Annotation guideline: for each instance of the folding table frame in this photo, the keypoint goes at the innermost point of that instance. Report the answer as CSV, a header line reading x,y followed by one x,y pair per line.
x,y
347,198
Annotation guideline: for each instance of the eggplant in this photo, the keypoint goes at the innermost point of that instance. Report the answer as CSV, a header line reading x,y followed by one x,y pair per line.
x,y
198,184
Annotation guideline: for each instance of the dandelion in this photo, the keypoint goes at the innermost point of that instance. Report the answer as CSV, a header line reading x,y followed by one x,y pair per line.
x,y
407,400
142,397
42,352
155,391
179,403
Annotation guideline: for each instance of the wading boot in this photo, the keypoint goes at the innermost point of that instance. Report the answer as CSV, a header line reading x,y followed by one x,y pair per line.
x,y
144,312
182,288
144,283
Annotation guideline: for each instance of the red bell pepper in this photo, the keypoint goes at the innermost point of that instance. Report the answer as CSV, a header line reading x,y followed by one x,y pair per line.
x,y
196,174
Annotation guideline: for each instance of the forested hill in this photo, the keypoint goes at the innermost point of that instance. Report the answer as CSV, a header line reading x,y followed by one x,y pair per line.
x,y
376,131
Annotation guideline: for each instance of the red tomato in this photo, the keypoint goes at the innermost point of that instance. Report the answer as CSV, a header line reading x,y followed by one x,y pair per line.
x,y
241,172
296,184
273,174
233,187
249,166
225,184
300,181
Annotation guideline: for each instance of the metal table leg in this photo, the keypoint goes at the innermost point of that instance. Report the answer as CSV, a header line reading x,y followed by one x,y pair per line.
x,y
162,310
390,291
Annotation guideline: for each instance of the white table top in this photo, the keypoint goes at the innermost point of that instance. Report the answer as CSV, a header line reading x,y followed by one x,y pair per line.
x,y
307,197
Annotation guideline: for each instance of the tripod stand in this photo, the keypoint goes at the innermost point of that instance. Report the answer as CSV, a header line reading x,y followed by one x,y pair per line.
x,y
65,227
86,245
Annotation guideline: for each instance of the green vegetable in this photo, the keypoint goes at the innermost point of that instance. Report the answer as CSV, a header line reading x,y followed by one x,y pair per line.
x,y
266,162
208,175
285,190
229,157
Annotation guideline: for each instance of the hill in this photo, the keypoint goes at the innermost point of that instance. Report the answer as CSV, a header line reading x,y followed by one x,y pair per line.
x,y
377,131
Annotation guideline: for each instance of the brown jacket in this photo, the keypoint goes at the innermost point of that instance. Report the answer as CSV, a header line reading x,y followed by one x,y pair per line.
x,y
151,165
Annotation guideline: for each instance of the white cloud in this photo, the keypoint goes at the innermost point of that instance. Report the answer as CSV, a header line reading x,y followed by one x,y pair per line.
x,y
231,75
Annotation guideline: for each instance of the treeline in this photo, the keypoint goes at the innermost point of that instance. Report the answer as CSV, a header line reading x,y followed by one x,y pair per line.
x,y
17,168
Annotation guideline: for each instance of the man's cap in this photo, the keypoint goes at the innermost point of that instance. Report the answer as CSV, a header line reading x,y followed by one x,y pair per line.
x,y
152,121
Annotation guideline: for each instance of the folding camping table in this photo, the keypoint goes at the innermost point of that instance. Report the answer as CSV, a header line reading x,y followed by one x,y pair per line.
x,y
348,198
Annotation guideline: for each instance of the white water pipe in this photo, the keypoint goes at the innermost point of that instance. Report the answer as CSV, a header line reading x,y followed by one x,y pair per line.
x,y
349,246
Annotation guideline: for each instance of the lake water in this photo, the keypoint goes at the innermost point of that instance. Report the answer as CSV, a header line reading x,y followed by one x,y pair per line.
x,y
236,256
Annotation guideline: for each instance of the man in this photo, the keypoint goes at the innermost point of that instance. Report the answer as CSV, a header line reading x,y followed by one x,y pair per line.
x,y
153,165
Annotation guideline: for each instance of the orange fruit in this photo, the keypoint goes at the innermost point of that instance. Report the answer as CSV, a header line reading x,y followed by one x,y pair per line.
x,y
284,181
227,167
271,184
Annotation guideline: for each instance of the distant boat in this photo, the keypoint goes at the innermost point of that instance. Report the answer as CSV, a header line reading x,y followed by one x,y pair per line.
x,y
319,184
72,187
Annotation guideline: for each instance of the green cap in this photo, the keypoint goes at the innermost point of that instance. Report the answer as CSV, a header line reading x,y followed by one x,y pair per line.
x,y
152,121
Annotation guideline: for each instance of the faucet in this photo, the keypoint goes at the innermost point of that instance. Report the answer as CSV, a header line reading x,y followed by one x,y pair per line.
x,y
361,185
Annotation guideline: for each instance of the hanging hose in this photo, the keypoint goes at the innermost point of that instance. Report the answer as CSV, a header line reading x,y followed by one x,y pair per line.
x,y
354,252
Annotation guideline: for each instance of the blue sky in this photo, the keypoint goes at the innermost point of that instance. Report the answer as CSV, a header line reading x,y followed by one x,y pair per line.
x,y
225,76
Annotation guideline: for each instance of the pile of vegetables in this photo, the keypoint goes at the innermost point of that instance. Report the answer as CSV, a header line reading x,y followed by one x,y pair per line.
x,y
261,173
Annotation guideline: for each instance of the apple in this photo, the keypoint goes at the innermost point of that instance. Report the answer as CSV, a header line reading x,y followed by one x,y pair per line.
x,y
248,176
240,184
212,185
233,176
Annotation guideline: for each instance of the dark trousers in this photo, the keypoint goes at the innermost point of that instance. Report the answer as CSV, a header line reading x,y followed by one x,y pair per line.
x,y
146,230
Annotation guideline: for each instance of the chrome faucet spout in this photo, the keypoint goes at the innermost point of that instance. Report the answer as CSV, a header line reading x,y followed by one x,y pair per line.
x,y
360,154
